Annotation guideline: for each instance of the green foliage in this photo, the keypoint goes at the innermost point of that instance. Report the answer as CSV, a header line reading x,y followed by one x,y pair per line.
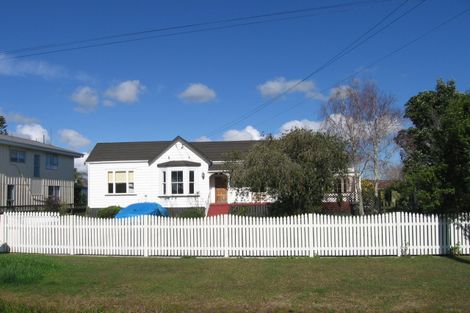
x,y
108,212
436,151
3,126
456,250
192,212
79,198
23,269
297,169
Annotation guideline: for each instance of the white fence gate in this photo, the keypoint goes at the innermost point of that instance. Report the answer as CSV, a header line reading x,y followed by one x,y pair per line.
x,y
224,236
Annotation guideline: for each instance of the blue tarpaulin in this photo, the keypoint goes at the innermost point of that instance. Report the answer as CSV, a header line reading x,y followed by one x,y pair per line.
x,y
144,208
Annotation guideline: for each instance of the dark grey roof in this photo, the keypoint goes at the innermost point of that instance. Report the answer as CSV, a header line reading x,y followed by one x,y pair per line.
x,y
35,145
149,150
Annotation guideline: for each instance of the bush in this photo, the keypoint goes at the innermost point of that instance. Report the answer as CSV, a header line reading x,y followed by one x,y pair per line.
x,y
193,212
108,212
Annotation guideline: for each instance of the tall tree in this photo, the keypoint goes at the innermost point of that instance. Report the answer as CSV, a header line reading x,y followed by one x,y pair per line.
x,y
3,126
436,151
297,169
365,117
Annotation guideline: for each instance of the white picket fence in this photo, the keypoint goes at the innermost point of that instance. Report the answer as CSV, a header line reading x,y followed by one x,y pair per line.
x,y
226,236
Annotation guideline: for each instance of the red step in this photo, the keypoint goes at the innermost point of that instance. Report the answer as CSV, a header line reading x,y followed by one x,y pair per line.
x,y
218,209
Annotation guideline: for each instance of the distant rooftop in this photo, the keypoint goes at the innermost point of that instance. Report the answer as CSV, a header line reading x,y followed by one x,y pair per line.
x,y
31,144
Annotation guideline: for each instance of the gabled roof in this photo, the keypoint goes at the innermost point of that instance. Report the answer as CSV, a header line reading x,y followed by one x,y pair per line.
x,y
150,150
35,145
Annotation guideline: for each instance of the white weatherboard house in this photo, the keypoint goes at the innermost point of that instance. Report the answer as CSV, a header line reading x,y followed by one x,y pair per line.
x,y
176,174
31,172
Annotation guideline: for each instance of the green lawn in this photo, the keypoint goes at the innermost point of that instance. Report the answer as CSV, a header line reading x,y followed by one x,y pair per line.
x,y
31,283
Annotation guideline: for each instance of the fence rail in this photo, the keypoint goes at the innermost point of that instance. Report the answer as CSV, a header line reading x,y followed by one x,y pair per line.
x,y
224,236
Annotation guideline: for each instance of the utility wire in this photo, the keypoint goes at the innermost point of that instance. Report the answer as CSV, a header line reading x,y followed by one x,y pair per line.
x,y
348,49
377,61
178,27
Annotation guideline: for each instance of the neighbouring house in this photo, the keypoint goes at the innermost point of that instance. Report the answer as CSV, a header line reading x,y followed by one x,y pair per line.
x,y
32,172
177,174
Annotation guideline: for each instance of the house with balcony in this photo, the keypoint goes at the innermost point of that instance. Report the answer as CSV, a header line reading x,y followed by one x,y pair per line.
x,y
176,174
31,172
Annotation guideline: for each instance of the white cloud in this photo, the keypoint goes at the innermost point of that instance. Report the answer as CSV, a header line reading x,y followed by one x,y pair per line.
x,y
300,124
203,138
18,118
340,92
32,131
79,163
15,67
73,139
198,93
86,98
248,133
280,85
108,103
126,92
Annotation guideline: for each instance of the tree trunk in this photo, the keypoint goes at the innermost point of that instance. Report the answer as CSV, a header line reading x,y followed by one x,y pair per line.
x,y
376,176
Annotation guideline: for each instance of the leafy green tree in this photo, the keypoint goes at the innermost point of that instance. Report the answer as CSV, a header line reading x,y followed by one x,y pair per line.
x,y
436,151
3,126
297,169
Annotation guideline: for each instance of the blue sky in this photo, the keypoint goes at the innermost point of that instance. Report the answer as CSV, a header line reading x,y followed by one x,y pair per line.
x,y
192,84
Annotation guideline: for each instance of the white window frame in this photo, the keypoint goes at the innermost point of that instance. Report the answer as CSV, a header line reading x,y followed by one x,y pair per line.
x,y
130,185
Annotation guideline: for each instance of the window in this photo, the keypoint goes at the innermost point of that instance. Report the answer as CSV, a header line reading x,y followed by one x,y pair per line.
x,y
130,182
110,182
164,183
54,192
10,195
177,182
52,161
17,156
37,165
191,182
121,182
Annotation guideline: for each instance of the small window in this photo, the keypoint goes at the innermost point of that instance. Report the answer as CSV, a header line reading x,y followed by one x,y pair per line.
x,y
10,195
110,182
177,182
54,192
164,183
17,156
191,182
52,161
120,182
130,182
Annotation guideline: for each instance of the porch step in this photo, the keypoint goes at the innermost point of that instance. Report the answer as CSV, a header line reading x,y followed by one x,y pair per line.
x,y
218,209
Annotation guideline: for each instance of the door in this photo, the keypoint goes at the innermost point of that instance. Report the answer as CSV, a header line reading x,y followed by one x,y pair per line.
x,y
10,195
220,182
37,165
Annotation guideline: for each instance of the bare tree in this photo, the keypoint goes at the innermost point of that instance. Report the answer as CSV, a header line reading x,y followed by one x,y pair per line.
x,y
381,122
344,117
366,119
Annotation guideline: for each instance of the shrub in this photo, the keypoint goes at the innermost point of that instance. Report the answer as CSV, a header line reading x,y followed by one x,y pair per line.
x,y
193,212
108,212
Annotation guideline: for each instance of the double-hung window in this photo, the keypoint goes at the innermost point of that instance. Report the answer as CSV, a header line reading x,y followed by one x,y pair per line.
x,y
52,161
120,182
191,182
164,183
177,182
17,156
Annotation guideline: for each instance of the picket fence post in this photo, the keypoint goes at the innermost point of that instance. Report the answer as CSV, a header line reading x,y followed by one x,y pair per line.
x,y
398,221
146,230
71,226
310,235
225,225
5,230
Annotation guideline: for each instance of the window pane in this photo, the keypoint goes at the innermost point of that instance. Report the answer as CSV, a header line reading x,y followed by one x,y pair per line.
x,y
110,177
191,176
120,187
191,188
180,188
110,187
131,187
130,175
174,188
120,177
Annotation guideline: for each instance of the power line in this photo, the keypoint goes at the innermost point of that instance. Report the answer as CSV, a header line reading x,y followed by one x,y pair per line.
x,y
236,20
377,61
348,49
